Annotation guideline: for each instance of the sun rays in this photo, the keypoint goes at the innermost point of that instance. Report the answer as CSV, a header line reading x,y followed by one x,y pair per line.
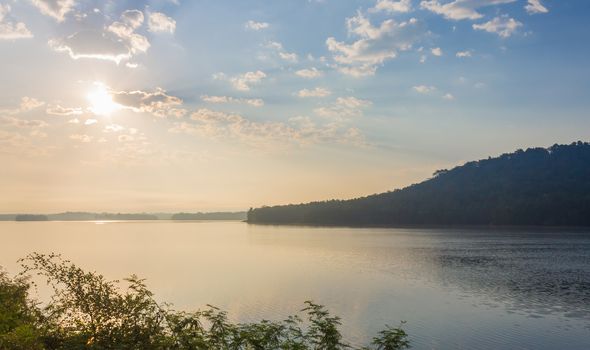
x,y
101,101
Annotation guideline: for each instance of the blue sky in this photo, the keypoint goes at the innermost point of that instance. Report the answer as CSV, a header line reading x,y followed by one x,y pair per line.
x,y
221,105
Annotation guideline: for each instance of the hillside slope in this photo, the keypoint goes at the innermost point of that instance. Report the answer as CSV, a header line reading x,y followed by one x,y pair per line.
x,y
547,187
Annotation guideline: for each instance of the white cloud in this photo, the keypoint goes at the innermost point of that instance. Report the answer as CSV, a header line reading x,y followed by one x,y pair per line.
x,y
63,111
125,138
460,9
10,141
26,104
92,44
278,47
81,138
288,56
463,54
253,25
535,6
33,126
57,9
243,82
131,20
23,123
344,108
90,122
159,22
267,134
376,44
504,26
391,6
448,96
15,144
255,102
424,89
117,42
310,73
317,92
11,30
157,102
437,51
113,128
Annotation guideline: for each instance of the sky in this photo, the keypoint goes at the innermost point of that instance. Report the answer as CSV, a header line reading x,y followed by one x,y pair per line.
x,y
190,105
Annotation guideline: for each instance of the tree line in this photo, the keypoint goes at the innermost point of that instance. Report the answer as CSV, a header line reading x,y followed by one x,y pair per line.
x,y
537,186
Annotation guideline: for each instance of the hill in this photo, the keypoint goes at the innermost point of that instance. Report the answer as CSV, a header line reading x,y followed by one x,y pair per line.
x,y
539,186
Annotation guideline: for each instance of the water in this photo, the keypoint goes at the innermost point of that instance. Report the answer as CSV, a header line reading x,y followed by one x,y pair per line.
x,y
457,289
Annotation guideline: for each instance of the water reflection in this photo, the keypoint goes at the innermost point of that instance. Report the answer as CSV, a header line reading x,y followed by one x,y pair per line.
x,y
472,289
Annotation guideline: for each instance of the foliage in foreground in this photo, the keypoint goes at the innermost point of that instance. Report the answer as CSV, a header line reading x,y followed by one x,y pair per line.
x,y
87,311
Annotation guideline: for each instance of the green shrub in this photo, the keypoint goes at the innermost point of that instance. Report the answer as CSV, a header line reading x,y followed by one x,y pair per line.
x,y
87,311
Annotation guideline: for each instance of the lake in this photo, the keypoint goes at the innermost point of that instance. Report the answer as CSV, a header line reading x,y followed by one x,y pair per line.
x,y
456,288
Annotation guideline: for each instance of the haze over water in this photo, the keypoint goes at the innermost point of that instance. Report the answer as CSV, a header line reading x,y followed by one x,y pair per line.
x,y
458,289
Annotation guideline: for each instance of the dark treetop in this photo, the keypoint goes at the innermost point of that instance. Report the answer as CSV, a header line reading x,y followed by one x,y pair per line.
x,y
545,187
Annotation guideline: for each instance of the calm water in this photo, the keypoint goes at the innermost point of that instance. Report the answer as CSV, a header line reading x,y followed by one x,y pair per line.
x,y
458,289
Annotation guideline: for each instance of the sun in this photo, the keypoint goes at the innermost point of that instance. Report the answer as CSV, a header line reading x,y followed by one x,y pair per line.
x,y
101,101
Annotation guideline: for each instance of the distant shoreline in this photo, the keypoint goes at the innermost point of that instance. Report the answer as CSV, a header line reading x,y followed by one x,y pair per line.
x,y
89,216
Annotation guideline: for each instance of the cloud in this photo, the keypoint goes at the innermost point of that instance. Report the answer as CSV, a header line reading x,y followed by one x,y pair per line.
x,y
159,22
214,124
463,54
92,44
33,127
460,9
26,104
504,26
448,96
243,82
125,138
130,21
310,73
10,141
266,134
287,56
16,145
23,123
390,6
113,128
437,51
11,30
81,138
63,111
117,42
57,9
157,102
344,108
255,102
424,89
253,25
317,92
376,44
535,6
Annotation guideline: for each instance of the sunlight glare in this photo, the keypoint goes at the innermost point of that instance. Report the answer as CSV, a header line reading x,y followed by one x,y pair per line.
x,y
101,101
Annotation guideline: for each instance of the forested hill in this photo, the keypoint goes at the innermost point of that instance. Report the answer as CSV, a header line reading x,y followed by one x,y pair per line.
x,y
547,187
